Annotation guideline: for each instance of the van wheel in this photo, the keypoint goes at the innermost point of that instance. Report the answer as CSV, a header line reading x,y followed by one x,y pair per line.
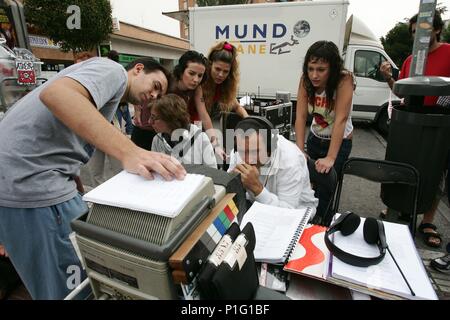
x,y
383,122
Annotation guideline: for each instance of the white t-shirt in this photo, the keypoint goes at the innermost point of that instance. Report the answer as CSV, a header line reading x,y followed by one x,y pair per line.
x,y
38,153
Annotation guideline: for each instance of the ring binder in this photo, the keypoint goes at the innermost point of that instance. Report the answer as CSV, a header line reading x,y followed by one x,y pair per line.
x,y
298,234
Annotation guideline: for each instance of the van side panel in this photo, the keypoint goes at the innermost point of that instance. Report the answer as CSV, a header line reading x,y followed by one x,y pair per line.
x,y
272,39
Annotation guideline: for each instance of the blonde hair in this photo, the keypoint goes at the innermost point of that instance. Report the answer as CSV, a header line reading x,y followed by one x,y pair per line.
x,y
227,53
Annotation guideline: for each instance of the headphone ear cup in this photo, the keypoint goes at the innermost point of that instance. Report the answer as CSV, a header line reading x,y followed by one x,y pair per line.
x,y
371,231
350,224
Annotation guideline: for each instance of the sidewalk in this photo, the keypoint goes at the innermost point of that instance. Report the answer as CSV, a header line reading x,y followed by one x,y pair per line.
x,y
440,281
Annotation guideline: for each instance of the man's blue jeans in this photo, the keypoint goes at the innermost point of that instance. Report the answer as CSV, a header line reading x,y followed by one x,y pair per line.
x,y
38,244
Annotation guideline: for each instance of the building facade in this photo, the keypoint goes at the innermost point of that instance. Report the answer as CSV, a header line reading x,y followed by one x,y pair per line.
x,y
131,41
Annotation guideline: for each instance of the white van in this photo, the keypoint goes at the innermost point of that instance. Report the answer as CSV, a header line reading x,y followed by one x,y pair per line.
x,y
272,40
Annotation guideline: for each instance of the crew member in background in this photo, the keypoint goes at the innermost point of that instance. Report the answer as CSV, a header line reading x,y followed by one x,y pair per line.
x,y
438,64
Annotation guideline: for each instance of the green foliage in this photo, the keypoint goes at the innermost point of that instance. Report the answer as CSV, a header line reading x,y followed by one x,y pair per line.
x,y
398,43
445,37
205,3
50,17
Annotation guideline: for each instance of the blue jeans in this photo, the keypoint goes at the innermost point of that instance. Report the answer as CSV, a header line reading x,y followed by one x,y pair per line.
x,y
123,112
317,148
38,244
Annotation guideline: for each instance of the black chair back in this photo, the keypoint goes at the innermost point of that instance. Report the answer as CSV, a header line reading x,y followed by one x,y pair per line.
x,y
383,171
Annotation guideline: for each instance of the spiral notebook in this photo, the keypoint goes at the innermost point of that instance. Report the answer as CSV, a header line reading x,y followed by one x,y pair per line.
x,y
310,256
277,230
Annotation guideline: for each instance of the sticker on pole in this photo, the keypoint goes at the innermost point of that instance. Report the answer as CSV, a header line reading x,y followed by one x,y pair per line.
x,y
25,72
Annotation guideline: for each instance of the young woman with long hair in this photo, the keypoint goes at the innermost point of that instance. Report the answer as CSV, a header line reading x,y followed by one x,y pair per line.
x,y
325,91
220,88
190,73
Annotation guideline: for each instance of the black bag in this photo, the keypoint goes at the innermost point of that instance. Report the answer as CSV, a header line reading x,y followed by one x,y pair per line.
x,y
236,277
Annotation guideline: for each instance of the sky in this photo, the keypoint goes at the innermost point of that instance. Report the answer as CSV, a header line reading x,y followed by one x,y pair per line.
x,y
147,14
382,15
379,15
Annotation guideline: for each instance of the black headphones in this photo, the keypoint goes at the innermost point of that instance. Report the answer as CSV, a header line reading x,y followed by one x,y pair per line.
x,y
257,123
374,233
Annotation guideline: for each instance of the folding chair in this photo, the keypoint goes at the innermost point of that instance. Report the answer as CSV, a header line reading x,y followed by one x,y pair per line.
x,y
324,186
385,172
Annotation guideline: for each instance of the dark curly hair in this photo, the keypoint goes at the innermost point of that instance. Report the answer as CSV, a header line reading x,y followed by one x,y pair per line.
x,y
438,24
150,65
325,51
173,111
193,57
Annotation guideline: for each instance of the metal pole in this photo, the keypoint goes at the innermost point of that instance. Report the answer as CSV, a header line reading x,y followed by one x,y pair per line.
x,y
424,27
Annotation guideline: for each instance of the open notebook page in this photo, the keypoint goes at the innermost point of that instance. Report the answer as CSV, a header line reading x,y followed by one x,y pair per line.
x,y
158,196
385,275
275,229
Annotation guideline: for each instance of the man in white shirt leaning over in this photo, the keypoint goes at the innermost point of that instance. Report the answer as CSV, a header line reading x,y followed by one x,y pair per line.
x,y
273,170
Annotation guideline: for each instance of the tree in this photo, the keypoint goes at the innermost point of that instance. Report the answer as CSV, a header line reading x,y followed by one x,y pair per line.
x,y
205,3
445,37
77,25
398,43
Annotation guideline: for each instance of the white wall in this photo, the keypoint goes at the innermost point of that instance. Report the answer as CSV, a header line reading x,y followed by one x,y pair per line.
x,y
141,49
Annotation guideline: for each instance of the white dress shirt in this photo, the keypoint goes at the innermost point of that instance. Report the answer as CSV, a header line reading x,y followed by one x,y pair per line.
x,y
285,178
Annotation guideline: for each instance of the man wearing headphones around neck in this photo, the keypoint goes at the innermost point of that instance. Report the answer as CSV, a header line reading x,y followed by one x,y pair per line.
x,y
273,170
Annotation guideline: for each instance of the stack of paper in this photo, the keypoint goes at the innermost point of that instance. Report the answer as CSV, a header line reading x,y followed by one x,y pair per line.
x,y
384,277
157,196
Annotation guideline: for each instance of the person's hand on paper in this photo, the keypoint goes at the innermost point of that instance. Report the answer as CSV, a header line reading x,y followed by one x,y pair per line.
x,y
145,163
250,178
